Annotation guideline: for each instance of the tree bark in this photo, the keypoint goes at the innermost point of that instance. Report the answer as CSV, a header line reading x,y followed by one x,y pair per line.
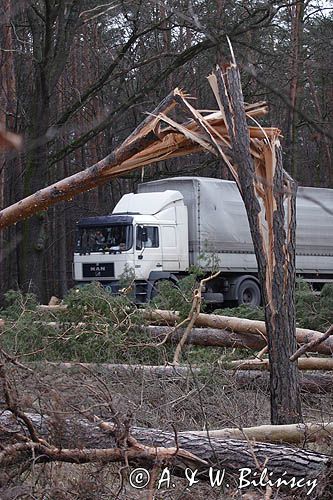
x,y
303,364
239,325
147,144
269,196
75,434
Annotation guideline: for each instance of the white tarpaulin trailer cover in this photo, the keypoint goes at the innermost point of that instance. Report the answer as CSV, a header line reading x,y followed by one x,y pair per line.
x,y
219,229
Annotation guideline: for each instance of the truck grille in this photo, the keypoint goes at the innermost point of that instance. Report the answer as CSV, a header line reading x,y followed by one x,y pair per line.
x,y
98,270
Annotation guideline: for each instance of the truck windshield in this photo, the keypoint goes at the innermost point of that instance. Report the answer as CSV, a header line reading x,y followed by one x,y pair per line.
x,y
113,239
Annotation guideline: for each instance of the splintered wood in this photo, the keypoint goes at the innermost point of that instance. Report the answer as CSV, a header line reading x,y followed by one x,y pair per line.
x,y
151,141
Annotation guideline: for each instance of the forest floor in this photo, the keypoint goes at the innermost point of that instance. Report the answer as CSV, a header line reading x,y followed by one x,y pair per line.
x,y
57,383
192,402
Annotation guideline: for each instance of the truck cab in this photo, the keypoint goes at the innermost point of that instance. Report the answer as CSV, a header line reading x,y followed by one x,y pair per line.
x,y
145,234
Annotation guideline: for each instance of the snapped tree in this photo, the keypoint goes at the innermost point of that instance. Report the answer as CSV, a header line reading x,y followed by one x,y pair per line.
x,y
253,156
269,196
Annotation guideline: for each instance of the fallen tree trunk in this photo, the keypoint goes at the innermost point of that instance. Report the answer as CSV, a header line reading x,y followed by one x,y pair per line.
x,y
205,337
239,325
208,337
144,135
292,433
147,144
123,370
93,442
303,364
218,337
52,307
259,380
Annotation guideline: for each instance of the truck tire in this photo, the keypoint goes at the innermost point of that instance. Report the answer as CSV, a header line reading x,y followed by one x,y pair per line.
x,y
249,294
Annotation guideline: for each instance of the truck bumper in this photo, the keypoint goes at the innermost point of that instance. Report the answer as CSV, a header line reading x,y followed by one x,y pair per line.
x,y
138,294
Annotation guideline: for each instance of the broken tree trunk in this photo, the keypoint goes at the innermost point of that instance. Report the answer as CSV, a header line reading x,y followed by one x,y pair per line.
x,y
90,441
144,136
272,225
292,433
303,364
147,144
239,325
269,196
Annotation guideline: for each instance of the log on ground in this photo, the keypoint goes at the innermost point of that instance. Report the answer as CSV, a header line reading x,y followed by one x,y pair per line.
x,y
313,363
208,337
75,433
289,433
239,325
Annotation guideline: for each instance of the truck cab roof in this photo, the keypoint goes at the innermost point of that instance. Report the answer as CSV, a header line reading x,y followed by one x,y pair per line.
x,y
143,204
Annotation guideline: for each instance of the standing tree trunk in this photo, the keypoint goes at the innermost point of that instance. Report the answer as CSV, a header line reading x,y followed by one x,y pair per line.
x,y
269,196
323,141
9,174
34,230
297,14
270,201
53,30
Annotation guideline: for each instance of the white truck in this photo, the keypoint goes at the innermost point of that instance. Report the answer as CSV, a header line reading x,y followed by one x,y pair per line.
x,y
174,223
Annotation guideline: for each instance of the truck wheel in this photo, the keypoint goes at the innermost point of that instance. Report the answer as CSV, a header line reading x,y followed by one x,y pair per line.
x,y
249,294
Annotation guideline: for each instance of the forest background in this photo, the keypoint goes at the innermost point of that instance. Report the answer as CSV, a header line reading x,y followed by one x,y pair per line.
x,y
76,78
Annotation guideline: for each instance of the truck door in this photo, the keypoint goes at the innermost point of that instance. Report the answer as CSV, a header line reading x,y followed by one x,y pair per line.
x,y
148,251
169,248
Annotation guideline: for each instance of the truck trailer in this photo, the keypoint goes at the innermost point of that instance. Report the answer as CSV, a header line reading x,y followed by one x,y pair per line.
x,y
172,224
